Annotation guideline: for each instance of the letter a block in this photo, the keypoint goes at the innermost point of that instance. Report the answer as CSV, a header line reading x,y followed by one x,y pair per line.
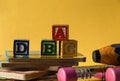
x,y
21,48
69,48
48,47
60,32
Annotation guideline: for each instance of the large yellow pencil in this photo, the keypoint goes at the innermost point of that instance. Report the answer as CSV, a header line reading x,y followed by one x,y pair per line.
x,y
109,55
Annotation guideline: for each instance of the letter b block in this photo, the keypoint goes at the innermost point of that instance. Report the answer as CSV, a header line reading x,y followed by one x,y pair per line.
x,y
21,48
48,47
69,48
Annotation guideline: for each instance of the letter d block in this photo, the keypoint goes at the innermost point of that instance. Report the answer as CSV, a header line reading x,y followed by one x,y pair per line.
x,y
21,48
69,48
48,47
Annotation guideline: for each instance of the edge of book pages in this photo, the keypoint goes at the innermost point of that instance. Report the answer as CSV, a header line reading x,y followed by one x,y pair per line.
x,y
21,75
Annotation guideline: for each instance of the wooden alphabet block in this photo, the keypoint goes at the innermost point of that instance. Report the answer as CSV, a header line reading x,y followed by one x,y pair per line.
x,y
48,47
21,48
69,48
60,32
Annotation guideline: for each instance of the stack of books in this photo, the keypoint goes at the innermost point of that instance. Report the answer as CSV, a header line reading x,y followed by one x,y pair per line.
x,y
36,69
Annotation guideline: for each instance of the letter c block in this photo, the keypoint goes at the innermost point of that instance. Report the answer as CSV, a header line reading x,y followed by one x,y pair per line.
x,y
69,48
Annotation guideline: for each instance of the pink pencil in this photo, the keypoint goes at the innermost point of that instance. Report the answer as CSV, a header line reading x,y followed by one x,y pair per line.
x,y
74,73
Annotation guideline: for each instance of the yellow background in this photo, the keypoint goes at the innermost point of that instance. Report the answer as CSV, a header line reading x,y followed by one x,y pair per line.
x,y
93,23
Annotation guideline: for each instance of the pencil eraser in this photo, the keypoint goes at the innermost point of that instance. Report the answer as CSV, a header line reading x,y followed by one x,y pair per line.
x,y
113,74
99,75
66,74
